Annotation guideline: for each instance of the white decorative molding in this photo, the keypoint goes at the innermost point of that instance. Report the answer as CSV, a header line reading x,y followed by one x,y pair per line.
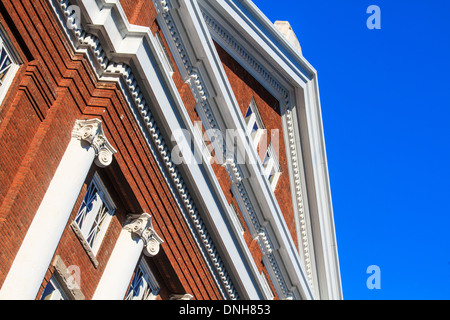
x,y
84,244
263,238
91,131
294,73
141,226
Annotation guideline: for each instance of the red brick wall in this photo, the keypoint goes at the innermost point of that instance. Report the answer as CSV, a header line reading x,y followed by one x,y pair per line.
x,y
53,88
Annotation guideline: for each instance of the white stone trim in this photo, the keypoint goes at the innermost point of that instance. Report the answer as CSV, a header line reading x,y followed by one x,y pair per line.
x,y
286,30
181,297
224,37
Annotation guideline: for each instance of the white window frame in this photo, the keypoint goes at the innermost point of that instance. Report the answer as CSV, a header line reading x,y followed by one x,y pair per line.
x,y
143,285
5,45
102,207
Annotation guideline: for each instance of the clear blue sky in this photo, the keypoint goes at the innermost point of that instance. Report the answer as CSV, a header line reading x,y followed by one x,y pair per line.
x,y
385,98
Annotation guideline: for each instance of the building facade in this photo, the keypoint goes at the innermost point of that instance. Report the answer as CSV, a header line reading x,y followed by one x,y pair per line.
x,y
160,149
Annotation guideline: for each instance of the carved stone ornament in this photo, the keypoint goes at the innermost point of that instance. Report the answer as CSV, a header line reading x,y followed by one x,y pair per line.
x,y
141,226
185,296
91,131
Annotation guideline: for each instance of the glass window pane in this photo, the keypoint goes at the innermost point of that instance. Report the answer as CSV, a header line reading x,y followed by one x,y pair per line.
x,y
53,291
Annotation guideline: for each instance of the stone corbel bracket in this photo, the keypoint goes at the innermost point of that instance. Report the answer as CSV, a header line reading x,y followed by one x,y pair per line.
x,y
140,225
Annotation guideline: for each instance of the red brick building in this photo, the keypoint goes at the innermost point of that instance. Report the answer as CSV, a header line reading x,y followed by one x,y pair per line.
x,y
160,150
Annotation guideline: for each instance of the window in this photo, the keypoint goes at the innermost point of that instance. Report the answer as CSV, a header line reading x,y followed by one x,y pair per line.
x,y
266,287
255,126
94,214
144,285
271,167
53,291
8,64
165,54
